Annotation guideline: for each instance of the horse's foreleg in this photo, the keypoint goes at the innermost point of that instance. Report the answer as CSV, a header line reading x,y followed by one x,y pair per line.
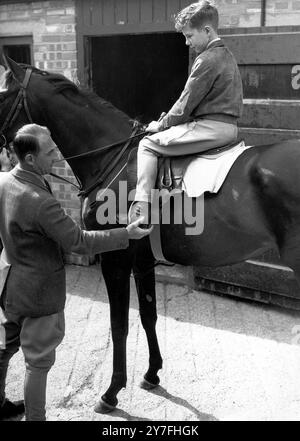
x,y
116,269
143,269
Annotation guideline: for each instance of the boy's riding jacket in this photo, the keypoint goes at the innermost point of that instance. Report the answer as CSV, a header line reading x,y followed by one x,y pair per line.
x,y
213,89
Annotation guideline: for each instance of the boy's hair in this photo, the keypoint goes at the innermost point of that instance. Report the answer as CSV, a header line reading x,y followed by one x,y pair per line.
x,y
197,15
27,140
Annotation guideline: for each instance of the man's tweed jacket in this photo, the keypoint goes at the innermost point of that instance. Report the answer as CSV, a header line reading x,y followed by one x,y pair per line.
x,y
35,232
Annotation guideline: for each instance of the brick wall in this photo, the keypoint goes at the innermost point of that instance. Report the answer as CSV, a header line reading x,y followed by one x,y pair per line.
x,y
52,27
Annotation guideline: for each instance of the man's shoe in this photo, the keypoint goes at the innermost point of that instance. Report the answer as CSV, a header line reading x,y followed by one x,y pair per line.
x,y
9,409
140,209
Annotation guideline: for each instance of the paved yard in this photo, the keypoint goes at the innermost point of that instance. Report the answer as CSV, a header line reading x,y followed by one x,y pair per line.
x,y
224,359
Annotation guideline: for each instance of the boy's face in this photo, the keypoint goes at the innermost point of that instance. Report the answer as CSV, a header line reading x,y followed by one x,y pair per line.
x,y
197,39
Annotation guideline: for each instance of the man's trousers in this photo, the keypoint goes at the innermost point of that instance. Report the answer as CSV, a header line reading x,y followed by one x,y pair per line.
x,y
38,338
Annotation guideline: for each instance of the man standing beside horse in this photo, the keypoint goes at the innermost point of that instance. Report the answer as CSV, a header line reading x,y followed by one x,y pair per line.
x,y
205,115
35,232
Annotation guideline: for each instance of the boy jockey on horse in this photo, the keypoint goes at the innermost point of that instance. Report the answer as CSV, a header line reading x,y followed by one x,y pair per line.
x,y
205,115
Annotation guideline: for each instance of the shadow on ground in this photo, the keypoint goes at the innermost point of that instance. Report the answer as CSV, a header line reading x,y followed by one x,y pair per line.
x,y
182,304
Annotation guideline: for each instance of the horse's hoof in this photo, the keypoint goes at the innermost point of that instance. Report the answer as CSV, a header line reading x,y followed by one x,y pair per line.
x,y
103,407
147,385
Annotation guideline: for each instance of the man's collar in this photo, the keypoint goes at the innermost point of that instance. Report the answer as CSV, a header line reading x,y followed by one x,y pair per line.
x,y
28,176
31,173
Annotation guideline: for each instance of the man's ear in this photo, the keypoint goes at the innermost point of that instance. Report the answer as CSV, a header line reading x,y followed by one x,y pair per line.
x,y
29,159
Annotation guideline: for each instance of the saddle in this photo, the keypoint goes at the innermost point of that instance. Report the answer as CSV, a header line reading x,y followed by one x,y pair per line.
x,y
170,169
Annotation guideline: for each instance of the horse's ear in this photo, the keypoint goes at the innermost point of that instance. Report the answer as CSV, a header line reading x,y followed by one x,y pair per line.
x,y
2,58
14,67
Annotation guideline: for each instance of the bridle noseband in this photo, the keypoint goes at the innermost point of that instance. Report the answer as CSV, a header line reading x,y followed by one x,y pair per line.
x,y
18,104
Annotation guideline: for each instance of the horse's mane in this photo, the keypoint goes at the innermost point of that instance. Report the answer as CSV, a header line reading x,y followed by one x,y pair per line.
x,y
62,84
97,101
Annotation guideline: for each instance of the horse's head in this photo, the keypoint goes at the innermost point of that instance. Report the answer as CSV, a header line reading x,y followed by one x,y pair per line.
x,y
79,120
71,114
26,95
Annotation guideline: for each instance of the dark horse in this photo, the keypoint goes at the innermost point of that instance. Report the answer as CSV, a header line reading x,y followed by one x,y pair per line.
x,y
257,208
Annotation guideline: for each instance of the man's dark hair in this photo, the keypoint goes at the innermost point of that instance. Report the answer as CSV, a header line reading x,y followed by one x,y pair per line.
x,y
27,140
24,144
198,15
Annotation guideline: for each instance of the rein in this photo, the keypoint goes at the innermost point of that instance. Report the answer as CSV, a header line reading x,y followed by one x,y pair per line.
x,y
103,148
100,179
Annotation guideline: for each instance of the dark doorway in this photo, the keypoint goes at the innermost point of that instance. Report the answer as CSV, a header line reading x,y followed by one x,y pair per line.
x,y
142,75
18,49
19,53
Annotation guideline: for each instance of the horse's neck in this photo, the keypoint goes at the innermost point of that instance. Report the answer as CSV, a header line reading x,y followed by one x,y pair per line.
x,y
83,132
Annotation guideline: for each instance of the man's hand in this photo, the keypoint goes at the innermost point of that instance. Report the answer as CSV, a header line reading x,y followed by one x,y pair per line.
x,y
135,232
153,127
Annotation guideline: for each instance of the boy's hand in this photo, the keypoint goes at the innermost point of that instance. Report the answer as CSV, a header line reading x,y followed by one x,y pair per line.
x,y
153,127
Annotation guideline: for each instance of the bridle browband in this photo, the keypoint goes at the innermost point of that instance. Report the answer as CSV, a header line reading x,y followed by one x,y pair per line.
x,y
21,101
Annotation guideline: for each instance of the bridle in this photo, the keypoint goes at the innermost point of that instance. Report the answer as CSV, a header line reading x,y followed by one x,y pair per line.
x,y
21,102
